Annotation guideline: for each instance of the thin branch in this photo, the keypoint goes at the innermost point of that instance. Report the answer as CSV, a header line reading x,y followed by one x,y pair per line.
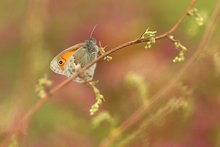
x,y
26,118
143,110
136,41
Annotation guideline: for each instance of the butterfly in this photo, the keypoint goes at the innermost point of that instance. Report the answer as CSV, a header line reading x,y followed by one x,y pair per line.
x,y
72,59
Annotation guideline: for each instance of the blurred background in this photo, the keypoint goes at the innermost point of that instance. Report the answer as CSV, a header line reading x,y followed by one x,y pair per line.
x,y
32,32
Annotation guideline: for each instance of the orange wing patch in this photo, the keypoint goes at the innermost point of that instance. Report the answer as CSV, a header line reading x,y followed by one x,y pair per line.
x,y
65,56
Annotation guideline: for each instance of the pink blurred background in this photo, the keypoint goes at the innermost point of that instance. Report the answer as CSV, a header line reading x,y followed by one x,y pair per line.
x,y
32,32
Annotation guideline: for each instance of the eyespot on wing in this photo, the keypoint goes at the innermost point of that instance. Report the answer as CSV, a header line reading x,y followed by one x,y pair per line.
x,y
64,56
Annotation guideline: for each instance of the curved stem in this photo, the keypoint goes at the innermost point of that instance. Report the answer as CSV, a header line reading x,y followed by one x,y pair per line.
x,y
26,118
143,110
124,45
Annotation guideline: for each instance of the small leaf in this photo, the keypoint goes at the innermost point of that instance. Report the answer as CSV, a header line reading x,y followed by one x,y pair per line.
x,y
182,49
102,51
108,58
150,35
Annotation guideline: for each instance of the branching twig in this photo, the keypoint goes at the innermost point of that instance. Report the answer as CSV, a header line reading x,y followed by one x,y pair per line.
x,y
136,41
143,110
26,118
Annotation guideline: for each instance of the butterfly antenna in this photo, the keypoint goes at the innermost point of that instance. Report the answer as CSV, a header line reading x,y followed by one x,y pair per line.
x,y
91,34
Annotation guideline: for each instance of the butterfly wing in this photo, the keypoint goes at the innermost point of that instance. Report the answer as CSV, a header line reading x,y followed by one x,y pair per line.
x,y
54,66
76,57
77,61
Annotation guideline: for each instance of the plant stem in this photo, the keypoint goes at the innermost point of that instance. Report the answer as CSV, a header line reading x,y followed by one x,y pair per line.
x,y
143,110
134,117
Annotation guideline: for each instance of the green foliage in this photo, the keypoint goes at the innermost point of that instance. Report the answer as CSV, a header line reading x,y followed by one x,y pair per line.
x,y
137,81
151,36
40,87
98,96
182,49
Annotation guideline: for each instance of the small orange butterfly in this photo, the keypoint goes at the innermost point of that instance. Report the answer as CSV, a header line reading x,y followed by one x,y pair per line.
x,y
72,59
